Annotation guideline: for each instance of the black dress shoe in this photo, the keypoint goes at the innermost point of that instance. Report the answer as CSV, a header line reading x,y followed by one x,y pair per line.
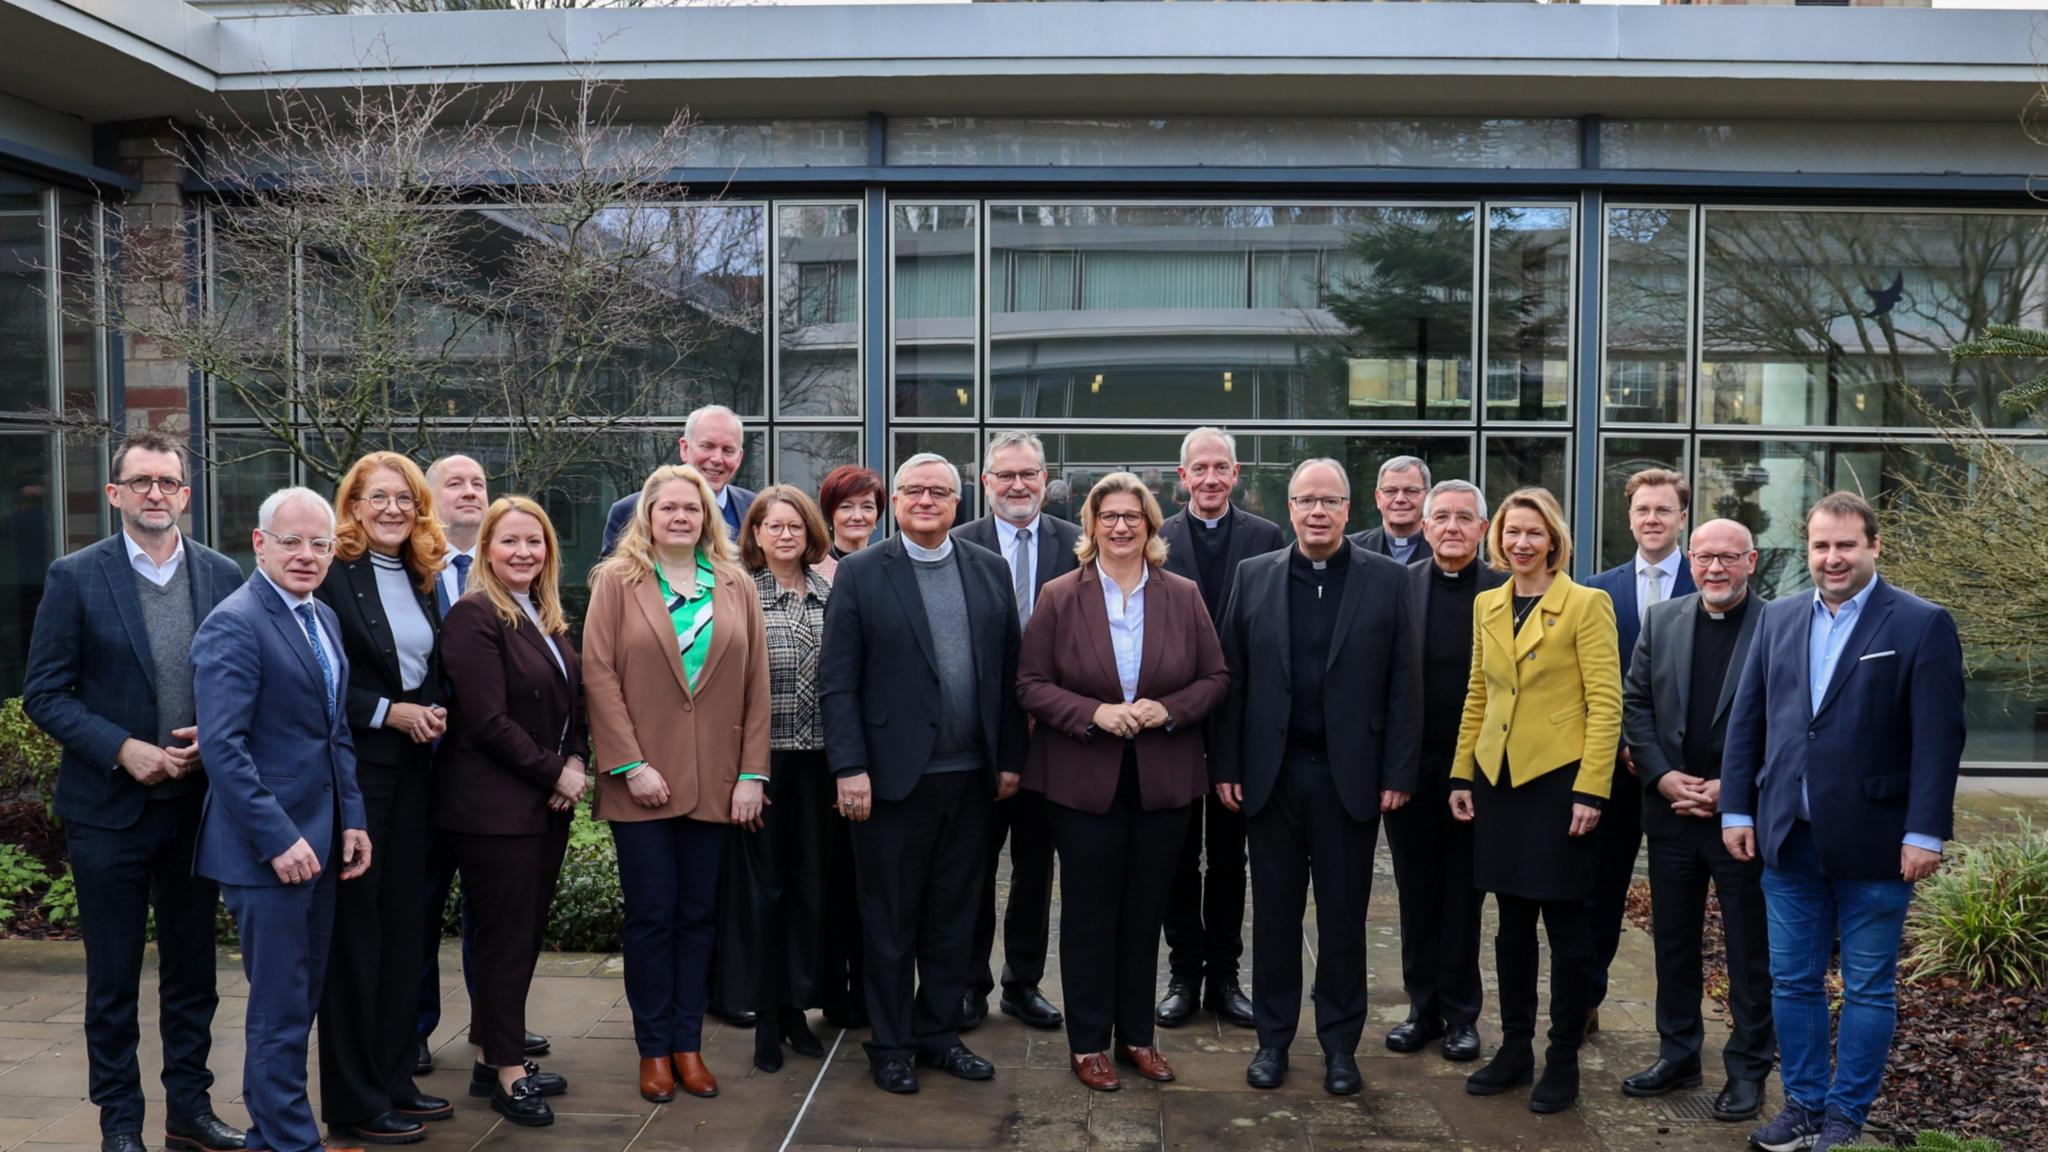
x,y
1413,1035
1177,1007
202,1133
483,1080
125,1142
894,1074
423,1059
1030,1006
1461,1042
1228,1002
1514,1064
533,1044
390,1128
423,1107
973,1010
1340,1075
1740,1100
960,1061
523,1105
1268,1068
1662,1077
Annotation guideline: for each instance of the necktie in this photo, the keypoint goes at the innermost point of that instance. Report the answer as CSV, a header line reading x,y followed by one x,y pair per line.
x,y
305,614
1020,574
462,563
1655,577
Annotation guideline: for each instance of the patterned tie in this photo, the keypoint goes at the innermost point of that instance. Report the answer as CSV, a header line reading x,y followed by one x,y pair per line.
x,y
1655,576
1020,574
462,562
305,614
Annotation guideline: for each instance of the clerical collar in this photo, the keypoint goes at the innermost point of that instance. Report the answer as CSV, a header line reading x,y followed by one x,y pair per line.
x,y
1211,524
1335,560
919,552
1449,574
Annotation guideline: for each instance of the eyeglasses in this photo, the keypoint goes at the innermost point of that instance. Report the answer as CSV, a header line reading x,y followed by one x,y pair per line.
x,y
1112,519
915,492
379,501
1326,503
1706,560
292,545
140,485
1465,518
1393,491
784,529
1661,512
1005,479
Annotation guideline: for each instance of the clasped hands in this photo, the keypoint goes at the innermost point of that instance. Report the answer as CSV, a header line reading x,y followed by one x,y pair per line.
x,y
425,723
570,785
1127,720
151,765
1690,795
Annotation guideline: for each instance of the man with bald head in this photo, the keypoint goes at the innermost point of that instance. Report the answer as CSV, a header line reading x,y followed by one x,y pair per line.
x,y
1681,682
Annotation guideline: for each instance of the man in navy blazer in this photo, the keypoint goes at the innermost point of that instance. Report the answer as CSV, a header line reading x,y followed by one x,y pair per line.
x,y
1840,771
1658,502
284,814
713,442
112,683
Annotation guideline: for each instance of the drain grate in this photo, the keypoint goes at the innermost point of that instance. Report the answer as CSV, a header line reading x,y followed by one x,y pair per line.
x,y
1688,1107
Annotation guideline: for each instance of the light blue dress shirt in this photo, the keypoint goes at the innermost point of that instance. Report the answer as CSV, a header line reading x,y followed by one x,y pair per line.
x,y
292,604
1126,627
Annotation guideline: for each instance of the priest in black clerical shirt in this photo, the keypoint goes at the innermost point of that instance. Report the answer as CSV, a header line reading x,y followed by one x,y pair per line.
x,y
1432,850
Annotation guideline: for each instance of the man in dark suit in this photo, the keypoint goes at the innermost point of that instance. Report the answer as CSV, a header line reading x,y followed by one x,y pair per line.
x,y
1316,739
1840,773
1205,542
713,442
1398,492
1680,684
924,733
1037,546
1432,850
283,815
110,678
1658,502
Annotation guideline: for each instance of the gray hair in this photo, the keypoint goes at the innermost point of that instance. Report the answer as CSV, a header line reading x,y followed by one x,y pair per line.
x,y
1013,438
434,469
1403,464
1446,486
919,461
276,502
1207,432
1311,462
691,421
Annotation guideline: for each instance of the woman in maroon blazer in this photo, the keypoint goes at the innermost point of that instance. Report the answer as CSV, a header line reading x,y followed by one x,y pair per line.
x,y
1120,666
507,779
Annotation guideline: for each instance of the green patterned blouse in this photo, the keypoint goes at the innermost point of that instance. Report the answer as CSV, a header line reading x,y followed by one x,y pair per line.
x,y
692,618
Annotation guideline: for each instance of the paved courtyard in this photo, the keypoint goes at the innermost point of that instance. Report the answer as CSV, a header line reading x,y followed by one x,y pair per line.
x,y
1410,1102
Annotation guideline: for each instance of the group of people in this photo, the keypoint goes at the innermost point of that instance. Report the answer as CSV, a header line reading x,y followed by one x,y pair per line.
x,y
811,746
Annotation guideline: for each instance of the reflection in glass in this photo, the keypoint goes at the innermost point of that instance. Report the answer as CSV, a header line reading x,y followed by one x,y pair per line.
x,y
933,297
85,453
1620,458
1845,319
1528,312
1230,312
244,469
27,544
1275,141
1529,462
1649,314
803,456
24,315
962,449
818,320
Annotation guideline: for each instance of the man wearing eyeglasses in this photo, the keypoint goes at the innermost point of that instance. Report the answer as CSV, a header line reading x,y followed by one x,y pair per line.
x,y
109,677
1399,492
284,818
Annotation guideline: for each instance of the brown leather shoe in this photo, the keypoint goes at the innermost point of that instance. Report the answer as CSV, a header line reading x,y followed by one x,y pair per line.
x,y
1093,1070
657,1080
1149,1063
696,1079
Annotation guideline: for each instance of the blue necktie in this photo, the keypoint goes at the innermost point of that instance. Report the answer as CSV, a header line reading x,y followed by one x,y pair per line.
x,y
462,563
312,626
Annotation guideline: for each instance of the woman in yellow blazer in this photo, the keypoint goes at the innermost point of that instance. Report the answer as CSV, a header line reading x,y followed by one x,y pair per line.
x,y
1535,762
675,673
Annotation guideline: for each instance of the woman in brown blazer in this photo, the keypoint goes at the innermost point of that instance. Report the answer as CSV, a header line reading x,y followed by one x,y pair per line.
x,y
507,778
1119,668
676,678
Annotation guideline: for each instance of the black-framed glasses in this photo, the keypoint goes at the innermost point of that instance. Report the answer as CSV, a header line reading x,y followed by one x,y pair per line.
x,y
140,485
1706,560
920,491
1112,519
1005,479
315,545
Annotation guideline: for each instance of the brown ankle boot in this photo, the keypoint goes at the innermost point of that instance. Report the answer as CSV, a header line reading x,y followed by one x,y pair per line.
x,y
696,1079
657,1080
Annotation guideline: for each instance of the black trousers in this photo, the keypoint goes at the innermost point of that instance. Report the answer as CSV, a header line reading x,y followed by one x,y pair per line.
x,y
920,864
789,858
1571,963
509,882
1205,913
1027,920
1616,840
1116,870
440,881
369,1011
1439,907
1304,835
1680,868
842,973
121,873
669,874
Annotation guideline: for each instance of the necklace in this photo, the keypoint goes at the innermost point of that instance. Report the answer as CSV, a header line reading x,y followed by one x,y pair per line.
x,y
1524,613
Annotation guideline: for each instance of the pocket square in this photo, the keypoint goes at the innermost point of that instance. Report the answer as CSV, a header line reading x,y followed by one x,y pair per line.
x,y
1878,655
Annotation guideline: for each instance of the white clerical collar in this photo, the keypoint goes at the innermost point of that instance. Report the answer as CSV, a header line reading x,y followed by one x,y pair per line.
x,y
1208,523
919,552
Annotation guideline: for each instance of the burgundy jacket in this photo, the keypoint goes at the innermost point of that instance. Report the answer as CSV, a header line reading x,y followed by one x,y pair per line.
x,y
1068,668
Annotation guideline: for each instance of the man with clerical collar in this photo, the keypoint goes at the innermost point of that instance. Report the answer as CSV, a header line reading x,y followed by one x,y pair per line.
x,y
1398,493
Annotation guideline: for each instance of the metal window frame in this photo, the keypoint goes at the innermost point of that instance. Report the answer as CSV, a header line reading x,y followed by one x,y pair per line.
x,y
1686,460
1693,303
976,400
859,433
772,327
1484,318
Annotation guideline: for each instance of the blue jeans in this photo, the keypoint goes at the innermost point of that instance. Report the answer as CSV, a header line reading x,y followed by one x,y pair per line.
x,y
1807,910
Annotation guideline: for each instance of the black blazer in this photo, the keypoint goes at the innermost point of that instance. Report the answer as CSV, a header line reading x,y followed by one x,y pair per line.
x,y
351,590
1656,698
1056,540
1250,535
1375,540
880,676
1417,583
91,680
1371,692
508,706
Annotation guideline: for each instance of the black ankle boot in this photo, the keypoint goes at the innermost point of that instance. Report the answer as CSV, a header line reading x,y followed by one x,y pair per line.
x,y
767,1045
796,1032
1559,1087
1514,1064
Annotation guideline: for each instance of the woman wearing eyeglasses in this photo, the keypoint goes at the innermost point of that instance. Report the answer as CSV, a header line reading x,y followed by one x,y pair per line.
x,y
1119,668
388,551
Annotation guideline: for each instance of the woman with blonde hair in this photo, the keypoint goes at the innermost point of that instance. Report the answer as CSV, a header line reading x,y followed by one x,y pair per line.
x,y
676,681
508,777
387,553
1534,764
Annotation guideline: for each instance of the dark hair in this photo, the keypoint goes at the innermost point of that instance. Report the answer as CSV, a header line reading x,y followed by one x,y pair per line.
x,y
1659,478
1847,504
150,440
817,534
845,483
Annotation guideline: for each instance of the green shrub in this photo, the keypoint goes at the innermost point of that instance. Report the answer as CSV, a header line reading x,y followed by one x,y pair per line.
x,y
20,874
28,757
1933,1142
587,915
1983,918
60,902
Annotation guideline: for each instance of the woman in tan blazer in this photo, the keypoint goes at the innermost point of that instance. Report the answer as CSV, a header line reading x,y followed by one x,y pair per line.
x,y
1119,668
1535,762
675,664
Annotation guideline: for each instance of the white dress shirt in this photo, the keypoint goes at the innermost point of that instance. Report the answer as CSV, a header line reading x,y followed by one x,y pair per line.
x,y
1006,538
1126,627
292,605
448,588
1667,583
157,574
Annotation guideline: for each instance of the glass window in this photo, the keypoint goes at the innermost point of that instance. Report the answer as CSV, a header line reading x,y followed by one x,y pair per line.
x,y
24,314
803,456
1230,312
1649,315
1888,145
933,296
1528,312
1620,458
1278,141
1530,462
85,454
962,448
244,470
1845,319
28,541
818,313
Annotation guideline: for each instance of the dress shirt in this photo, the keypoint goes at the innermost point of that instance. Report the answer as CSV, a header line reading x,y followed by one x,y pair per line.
x,y
1006,535
292,604
929,555
1667,584
1126,626
157,574
449,592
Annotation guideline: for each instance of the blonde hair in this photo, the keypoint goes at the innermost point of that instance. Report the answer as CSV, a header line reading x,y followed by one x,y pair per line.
x,y
546,591
632,557
1111,485
424,551
1541,502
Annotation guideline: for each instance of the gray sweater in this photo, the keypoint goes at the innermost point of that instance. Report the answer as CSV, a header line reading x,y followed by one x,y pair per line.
x,y
958,747
167,617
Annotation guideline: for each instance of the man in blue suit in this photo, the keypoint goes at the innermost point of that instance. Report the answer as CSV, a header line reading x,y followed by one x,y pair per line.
x,y
110,678
1840,771
284,814
714,443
